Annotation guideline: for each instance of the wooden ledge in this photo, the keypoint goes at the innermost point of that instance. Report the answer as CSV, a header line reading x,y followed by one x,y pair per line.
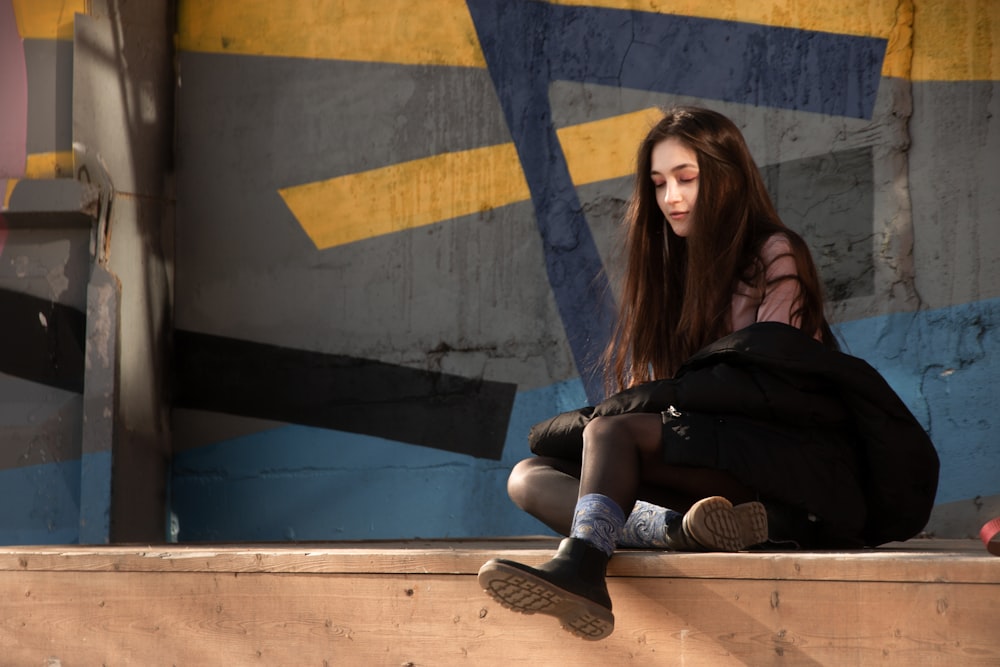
x,y
924,602
953,561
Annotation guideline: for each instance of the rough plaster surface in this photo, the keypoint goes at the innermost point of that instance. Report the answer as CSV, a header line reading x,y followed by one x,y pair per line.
x,y
901,209
469,295
40,424
964,518
425,299
955,190
51,264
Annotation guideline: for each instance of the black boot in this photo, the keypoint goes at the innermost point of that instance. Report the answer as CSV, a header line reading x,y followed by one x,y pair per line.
x,y
793,528
571,587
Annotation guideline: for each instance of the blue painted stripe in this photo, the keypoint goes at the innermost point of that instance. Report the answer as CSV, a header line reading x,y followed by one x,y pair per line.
x,y
944,364
95,498
745,63
39,504
513,38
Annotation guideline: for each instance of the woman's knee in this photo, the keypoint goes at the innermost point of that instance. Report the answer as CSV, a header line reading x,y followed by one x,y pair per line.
x,y
601,431
640,429
522,482
539,482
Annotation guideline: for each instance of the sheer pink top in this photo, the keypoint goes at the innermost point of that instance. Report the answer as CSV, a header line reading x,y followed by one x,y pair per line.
x,y
781,289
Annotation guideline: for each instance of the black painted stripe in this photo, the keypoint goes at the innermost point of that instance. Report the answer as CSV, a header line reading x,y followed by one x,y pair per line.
x,y
42,341
448,412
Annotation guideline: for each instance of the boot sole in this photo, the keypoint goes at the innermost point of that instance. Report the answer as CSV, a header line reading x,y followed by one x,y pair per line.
x,y
752,520
523,592
714,524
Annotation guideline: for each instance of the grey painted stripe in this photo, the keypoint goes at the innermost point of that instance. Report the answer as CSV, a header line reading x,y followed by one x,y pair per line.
x,y
50,94
279,122
954,164
39,424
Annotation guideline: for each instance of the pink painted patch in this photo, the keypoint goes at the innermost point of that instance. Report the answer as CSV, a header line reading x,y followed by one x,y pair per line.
x,y
14,93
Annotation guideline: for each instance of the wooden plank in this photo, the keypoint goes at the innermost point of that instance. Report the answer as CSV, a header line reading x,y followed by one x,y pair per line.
x,y
964,563
208,618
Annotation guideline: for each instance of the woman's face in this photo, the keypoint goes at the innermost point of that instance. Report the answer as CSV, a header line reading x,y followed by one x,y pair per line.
x,y
675,180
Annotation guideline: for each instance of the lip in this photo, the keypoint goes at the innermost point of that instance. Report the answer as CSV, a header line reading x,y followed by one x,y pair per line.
x,y
678,215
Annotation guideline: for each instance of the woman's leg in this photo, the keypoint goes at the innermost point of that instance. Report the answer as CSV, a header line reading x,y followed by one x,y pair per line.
x,y
619,454
622,454
623,459
547,489
571,586
615,451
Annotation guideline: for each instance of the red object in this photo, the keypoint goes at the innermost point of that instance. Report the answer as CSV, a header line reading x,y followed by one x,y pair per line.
x,y
990,535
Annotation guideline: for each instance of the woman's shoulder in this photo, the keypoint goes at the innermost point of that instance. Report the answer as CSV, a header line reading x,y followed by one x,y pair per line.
x,y
776,245
777,256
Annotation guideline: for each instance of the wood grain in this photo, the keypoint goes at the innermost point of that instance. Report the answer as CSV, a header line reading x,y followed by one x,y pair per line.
x,y
257,605
251,619
965,561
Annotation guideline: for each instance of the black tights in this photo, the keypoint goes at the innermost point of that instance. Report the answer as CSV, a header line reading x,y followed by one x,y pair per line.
x,y
622,459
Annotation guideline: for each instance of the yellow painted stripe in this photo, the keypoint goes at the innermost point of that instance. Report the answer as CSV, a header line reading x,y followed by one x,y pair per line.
x,y
956,41
9,191
47,19
407,195
603,149
49,165
397,31
870,18
421,192
42,165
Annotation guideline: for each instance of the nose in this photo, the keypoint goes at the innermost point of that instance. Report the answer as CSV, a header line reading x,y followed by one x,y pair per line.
x,y
671,193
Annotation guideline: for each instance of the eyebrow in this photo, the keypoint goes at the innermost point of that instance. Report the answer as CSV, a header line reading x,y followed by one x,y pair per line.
x,y
686,165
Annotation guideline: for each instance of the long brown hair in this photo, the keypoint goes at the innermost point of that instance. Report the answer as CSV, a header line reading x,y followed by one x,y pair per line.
x,y
677,292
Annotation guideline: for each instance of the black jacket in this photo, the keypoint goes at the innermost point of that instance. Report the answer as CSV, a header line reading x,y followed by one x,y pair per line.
x,y
773,373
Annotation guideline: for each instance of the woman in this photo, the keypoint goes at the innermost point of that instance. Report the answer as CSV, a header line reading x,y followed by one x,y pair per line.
x,y
695,427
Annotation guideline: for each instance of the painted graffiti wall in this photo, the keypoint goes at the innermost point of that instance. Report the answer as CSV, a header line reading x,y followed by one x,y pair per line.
x,y
394,241
85,124
397,224
43,279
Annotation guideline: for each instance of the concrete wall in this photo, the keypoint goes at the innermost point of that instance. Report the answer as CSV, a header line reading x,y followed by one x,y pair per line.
x,y
371,194
85,234
396,227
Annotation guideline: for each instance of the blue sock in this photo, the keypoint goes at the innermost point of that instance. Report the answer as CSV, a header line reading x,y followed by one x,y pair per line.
x,y
646,526
598,520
